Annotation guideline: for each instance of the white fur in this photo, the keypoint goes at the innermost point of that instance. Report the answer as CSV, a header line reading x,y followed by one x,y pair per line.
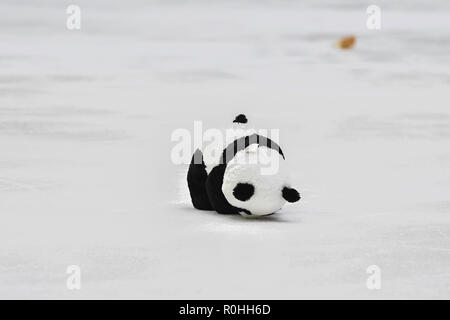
x,y
247,167
213,152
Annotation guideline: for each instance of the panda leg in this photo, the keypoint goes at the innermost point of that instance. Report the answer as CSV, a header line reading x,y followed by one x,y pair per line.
x,y
214,189
196,179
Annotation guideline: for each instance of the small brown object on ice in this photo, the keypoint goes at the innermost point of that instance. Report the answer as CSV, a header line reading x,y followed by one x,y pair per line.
x,y
346,42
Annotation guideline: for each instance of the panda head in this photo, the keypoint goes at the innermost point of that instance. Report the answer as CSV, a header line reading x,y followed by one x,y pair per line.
x,y
256,182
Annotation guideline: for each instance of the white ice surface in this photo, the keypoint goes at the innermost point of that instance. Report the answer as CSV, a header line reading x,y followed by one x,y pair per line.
x,y
86,176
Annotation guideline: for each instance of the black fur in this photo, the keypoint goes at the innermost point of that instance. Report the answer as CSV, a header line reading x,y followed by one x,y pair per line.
x,y
243,191
206,190
215,194
240,144
241,119
290,194
197,182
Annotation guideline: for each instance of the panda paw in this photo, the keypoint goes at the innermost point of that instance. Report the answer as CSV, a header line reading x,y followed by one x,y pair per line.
x,y
241,118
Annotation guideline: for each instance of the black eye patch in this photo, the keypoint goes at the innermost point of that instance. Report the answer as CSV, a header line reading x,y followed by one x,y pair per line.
x,y
243,191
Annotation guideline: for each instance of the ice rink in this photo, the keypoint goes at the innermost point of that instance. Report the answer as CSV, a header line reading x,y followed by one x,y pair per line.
x,y
86,177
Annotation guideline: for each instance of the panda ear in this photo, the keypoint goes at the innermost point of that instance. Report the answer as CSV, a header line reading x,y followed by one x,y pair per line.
x,y
290,194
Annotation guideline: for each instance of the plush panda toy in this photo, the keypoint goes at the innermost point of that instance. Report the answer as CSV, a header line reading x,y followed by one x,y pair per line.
x,y
246,176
